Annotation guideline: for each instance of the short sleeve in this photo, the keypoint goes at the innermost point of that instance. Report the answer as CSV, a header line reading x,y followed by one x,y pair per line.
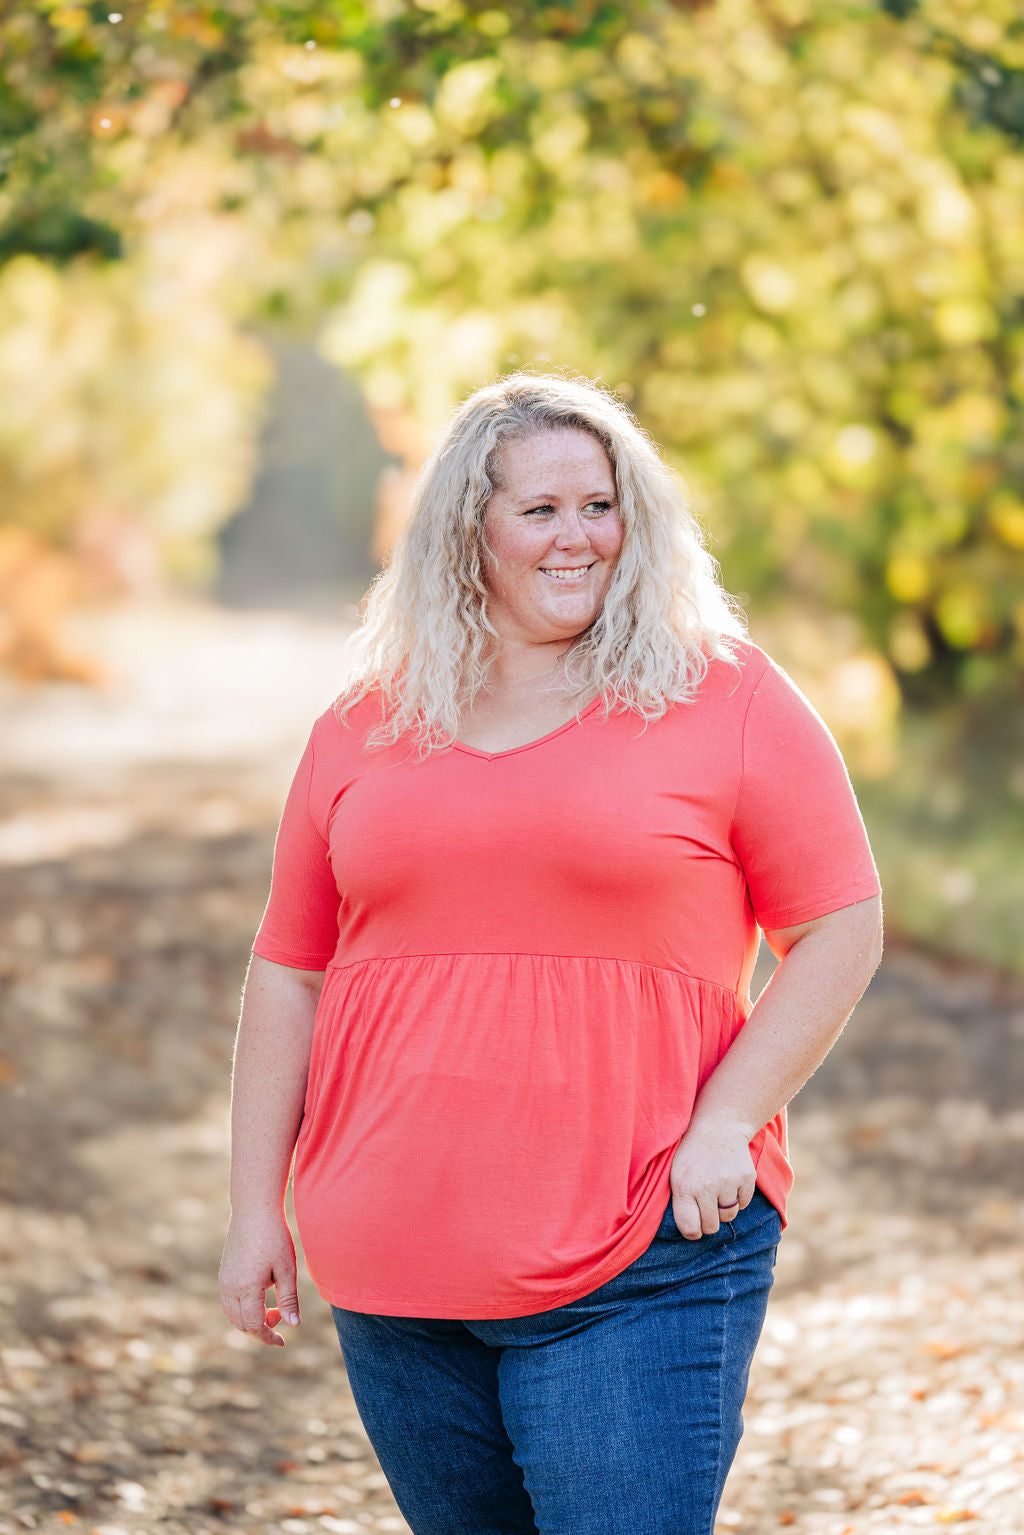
x,y
300,923
797,828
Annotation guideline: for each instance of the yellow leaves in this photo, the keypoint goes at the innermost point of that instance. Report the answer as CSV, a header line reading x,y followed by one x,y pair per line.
x,y
640,59
194,26
574,232
465,97
493,23
131,399
964,321
909,646
945,212
427,219
151,113
802,478
863,694
866,204
373,316
772,286
727,177
954,1515
37,586
791,186
788,417
877,128
69,18
859,303
1006,516
976,418
853,454
962,613
986,33
303,65
907,577
415,124
944,455
558,141
754,53
661,189
759,341
30,290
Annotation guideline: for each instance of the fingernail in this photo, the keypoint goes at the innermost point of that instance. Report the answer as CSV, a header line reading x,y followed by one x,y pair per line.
x,y
293,1318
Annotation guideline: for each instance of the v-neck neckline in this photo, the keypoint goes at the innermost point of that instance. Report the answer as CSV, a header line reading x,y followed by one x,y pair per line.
x,y
511,751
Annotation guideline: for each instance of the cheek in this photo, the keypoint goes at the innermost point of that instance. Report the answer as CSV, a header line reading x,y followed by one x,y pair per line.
x,y
611,543
513,563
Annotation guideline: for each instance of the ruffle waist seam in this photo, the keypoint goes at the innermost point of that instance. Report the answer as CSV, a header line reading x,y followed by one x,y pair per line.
x,y
612,959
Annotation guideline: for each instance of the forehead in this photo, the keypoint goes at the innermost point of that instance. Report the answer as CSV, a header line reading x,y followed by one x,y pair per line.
x,y
565,452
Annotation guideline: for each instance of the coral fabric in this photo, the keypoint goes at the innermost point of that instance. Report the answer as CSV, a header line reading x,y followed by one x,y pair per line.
x,y
534,959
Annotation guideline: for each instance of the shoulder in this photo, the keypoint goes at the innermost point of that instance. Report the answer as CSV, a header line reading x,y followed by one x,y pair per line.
x,y
342,728
736,681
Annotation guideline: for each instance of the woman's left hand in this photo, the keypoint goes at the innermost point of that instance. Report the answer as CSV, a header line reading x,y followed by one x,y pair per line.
x,y
712,1176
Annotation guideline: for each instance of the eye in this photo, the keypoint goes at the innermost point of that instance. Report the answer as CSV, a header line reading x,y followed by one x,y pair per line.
x,y
593,509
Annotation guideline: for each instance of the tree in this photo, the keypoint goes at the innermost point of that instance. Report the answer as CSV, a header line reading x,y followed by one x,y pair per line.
x,y
791,236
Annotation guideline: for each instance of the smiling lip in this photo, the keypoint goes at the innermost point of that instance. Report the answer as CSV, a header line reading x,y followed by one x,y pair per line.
x,y
565,572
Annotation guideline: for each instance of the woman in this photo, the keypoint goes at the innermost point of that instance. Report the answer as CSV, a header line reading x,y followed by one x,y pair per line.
x,y
500,990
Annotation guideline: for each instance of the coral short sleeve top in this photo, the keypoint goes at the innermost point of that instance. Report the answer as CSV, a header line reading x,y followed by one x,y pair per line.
x,y
534,959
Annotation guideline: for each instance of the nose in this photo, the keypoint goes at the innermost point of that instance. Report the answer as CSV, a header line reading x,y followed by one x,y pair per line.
x,y
572,531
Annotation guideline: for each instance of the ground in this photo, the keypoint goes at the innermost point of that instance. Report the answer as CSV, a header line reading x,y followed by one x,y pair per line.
x,y
136,827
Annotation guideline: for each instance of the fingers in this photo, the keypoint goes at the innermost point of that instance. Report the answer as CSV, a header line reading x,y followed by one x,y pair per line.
x,y
702,1213
245,1306
287,1297
688,1216
255,1317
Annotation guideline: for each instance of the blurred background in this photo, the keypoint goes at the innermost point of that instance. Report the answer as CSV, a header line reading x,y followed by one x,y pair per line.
x,y
251,257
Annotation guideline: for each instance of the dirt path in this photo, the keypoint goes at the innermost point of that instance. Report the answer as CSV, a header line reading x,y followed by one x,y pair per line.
x,y
135,837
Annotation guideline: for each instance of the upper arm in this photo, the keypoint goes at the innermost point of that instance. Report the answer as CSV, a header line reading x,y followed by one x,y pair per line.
x,y
299,927
796,830
278,974
860,924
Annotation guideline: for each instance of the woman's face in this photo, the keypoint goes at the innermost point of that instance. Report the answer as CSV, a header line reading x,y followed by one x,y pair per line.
x,y
555,534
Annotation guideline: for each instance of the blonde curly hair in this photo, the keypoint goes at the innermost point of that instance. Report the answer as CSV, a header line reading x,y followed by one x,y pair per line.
x,y
425,639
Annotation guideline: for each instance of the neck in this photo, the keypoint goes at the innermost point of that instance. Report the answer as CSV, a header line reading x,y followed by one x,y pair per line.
x,y
514,664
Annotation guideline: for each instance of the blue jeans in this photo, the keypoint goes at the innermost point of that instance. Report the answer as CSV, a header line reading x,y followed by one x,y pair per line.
x,y
617,1414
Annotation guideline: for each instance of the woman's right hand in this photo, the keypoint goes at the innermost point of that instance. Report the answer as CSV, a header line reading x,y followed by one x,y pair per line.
x,y
259,1253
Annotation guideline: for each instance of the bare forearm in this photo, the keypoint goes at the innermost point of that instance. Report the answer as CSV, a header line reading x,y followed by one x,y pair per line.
x,y
791,1028
268,1090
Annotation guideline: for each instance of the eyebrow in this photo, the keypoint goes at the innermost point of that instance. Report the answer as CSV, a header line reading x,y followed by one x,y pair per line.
x,y
544,497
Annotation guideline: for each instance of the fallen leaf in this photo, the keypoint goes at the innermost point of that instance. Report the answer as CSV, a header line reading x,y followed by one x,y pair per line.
x,y
942,1349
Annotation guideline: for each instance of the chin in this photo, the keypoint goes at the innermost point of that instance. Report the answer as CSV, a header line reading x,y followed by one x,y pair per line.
x,y
567,626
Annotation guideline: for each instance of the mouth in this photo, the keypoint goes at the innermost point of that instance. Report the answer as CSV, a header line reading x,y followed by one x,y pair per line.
x,y
567,575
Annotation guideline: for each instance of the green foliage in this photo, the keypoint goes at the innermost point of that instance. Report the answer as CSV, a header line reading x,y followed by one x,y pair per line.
x,y
790,234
